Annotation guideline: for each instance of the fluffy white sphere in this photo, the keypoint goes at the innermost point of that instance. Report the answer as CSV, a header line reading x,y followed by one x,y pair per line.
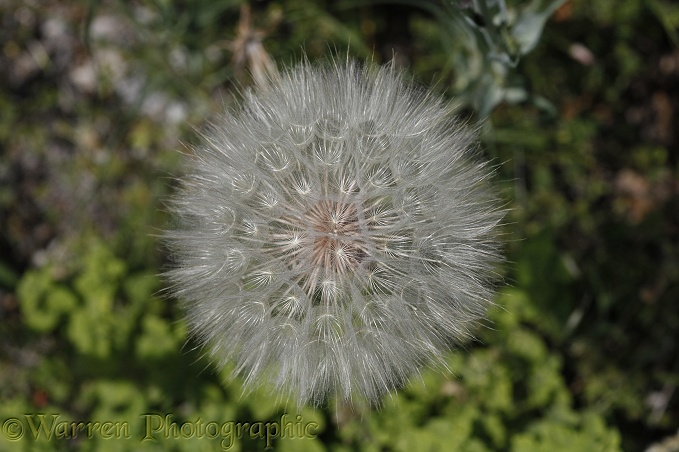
x,y
335,234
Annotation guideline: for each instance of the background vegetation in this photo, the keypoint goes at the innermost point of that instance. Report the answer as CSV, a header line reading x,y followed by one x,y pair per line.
x,y
96,98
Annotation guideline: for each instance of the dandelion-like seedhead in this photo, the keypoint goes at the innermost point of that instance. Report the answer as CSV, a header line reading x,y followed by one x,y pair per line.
x,y
334,235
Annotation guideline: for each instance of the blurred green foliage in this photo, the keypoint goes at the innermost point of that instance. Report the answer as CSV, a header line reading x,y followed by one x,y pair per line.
x,y
581,352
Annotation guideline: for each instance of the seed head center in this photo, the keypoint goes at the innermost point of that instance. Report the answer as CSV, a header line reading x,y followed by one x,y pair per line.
x,y
337,246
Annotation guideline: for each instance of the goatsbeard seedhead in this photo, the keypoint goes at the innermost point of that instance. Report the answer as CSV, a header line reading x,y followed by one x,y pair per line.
x,y
335,234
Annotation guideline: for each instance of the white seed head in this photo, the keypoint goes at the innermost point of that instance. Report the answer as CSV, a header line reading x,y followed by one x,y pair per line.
x,y
334,235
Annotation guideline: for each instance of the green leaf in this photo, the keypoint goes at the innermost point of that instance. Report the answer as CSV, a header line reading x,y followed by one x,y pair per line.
x,y
528,27
43,301
157,339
